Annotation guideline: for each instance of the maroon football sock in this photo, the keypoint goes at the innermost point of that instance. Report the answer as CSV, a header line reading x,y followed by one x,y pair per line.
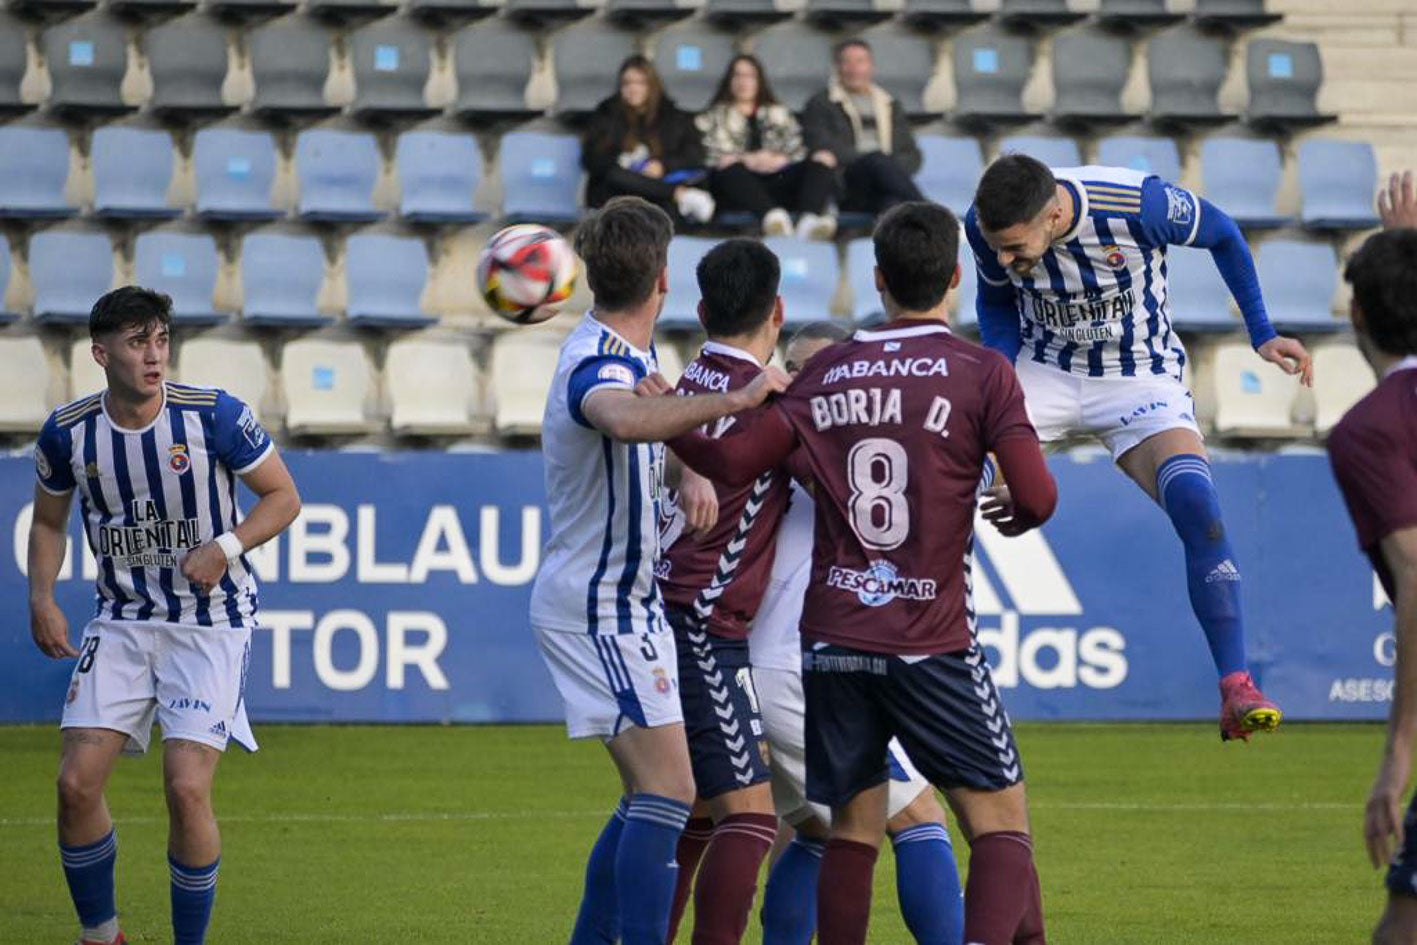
x,y
1002,889
723,896
692,843
1030,930
844,892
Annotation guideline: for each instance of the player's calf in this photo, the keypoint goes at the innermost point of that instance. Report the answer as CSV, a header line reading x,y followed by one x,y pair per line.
x,y
1398,925
927,877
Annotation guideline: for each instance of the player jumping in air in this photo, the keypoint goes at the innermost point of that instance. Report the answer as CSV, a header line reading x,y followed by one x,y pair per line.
x,y
1373,450
894,427
595,608
155,464
1072,288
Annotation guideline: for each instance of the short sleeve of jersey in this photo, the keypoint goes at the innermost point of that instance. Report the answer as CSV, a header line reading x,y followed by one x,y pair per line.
x,y
984,259
241,442
1005,415
595,373
1378,482
51,459
1170,215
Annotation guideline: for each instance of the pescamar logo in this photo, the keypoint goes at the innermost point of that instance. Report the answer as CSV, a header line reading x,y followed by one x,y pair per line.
x,y
880,584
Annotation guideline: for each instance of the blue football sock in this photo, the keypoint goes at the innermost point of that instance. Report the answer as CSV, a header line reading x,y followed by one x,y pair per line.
x,y
927,884
790,897
89,872
646,869
1187,494
599,920
193,893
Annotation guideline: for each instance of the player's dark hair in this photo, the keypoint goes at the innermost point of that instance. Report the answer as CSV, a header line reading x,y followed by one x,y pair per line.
x,y
1384,277
846,44
625,246
1013,190
917,251
738,284
129,307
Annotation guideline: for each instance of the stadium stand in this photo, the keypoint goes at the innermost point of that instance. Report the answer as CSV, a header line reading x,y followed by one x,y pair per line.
x,y
1152,155
85,375
435,388
905,63
587,57
13,56
251,10
809,278
541,176
641,13
949,169
691,58
1130,15
392,60
1337,180
290,59
861,277
132,168
386,276
493,66
1300,279
24,398
188,61
346,12
1251,398
328,387
338,171
745,13
186,267
671,361
1053,151
87,59
1200,300
1284,80
281,275
1186,69
439,173
942,14
1090,70
991,68
34,168
681,304
1243,175
1341,378
798,60
543,13
845,13
523,363
7,272
1041,14
69,269
1232,14
235,172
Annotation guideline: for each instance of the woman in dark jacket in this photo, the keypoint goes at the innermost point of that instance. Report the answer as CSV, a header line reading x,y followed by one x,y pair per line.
x,y
638,142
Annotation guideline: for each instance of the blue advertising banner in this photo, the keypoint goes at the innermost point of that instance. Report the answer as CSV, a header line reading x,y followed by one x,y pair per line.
x,y
401,594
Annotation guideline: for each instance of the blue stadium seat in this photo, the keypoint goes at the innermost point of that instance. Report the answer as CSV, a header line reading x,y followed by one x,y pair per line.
x,y
1337,180
235,172
438,177
69,270
386,275
1241,176
1055,152
6,270
184,265
132,168
681,306
337,171
1198,296
809,277
861,274
34,165
280,280
1299,279
1141,153
541,176
949,170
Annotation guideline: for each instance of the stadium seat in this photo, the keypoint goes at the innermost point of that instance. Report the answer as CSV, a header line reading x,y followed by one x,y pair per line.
x,y
132,168
50,11
1299,281
187,57
1242,176
809,277
7,270
34,166
439,173
442,13
349,12
681,306
85,375
523,363
735,13
12,67
905,60
1150,155
941,14
838,14
185,266
861,274
1233,14
327,384
1131,14
950,169
991,68
1252,398
23,384
541,175
250,10
671,362
87,58
1038,14
543,14
235,171
290,58
392,60
1055,152
236,366
494,61
1284,85
1342,377
1196,292
691,58
1337,180
69,270
1089,71
337,171
280,280
1186,69
434,387
643,13
587,58
149,10
798,60
386,275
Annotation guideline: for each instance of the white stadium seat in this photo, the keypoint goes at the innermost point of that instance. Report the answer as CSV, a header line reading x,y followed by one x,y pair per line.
x,y
327,384
1341,378
1252,397
85,376
23,385
237,367
671,362
434,387
523,363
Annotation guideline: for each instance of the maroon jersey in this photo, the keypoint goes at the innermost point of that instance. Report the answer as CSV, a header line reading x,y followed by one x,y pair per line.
x,y
1374,455
721,577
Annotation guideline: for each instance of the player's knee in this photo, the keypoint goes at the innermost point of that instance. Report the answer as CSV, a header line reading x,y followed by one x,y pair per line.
x,y
925,809
187,793
78,791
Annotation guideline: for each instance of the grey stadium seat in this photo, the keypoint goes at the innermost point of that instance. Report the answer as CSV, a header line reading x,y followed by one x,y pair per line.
x,y
905,60
798,60
540,14
338,171
290,58
835,14
236,169
1337,180
1152,155
991,67
940,14
281,275
438,177
185,266
148,10
245,10
1186,69
50,11
69,269
12,66
1133,14
493,61
392,59
744,12
1284,84
587,58
1089,70
1233,14
132,168
386,275
1038,14
343,12
451,12
34,166
188,61
87,58
638,13
691,58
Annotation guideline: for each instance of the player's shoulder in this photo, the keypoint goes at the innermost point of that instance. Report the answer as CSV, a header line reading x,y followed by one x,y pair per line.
x,y
1109,191
75,412
195,397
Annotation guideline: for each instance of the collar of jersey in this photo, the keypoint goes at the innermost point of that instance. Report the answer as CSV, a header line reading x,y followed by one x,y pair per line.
x,y
1080,207
590,317
728,351
901,328
103,401
1406,364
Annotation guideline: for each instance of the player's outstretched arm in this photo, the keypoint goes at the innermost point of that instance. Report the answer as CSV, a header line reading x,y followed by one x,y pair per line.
x,y
48,537
621,415
1382,822
277,505
1397,203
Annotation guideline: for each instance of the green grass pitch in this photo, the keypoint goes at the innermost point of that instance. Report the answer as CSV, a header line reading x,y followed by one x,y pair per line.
x,y
1145,833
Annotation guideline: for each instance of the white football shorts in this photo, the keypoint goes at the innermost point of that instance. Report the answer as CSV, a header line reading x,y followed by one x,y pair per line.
x,y
191,679
612,681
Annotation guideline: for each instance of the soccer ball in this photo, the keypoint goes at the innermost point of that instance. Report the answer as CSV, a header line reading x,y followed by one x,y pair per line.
x,y
525,272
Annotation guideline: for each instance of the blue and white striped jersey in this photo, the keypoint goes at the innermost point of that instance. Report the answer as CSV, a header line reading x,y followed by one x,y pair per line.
x,y
1096,303
597,573
150,496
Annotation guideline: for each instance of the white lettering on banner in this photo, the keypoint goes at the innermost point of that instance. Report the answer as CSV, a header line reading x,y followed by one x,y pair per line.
x,y
1380,599
414,638
363,672
1095,658
367,568
1385,649
442,528
328,542
66,570
404,652
1360,690
524,571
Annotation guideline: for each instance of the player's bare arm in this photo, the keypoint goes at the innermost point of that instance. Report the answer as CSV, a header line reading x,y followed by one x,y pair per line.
x,y
48,625
278,502
1382,821
1397,203
622,415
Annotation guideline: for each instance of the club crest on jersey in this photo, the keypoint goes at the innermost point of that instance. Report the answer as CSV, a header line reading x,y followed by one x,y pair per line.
x,y
662,685
91,471
177,459
41,464
1115,258
73,693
